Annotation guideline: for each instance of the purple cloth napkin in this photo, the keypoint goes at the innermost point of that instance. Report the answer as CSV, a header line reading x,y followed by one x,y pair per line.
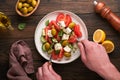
x,y
21,62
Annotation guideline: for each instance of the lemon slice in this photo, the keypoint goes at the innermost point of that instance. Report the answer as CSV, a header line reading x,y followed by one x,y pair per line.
x,y
109,46
99,36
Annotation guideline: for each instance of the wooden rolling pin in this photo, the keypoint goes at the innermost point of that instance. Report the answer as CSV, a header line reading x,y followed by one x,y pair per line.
x,y
106,13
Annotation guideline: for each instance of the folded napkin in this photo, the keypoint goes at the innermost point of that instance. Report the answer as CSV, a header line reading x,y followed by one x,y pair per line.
x,y
21,62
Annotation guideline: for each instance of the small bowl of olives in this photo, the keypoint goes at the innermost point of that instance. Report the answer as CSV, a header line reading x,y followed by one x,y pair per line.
x,y
26,7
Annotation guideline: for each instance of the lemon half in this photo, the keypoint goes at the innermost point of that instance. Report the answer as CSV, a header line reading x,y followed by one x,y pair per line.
x,y
99,36
108,45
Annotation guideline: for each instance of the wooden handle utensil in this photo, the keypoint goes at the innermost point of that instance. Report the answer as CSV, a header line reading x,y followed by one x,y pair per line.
x,y
106,13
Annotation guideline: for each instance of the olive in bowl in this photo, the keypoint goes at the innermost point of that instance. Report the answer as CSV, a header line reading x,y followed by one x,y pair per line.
x,y
26,7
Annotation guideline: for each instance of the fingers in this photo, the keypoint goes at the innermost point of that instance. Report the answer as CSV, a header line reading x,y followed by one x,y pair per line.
x,y
45,68
54,73
82,50
39,74
85,43
88,45
46,72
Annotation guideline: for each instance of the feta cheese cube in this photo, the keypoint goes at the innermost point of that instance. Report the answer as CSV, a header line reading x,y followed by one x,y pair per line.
x,y
67,30
58,46
61,24
67,49
49,33
65,37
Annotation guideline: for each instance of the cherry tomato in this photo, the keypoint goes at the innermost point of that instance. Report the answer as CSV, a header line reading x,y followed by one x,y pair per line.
x,y
66,18
72,39
77,31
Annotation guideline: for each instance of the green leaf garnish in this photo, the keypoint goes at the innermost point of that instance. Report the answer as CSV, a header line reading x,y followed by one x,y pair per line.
x,y
21,26
47,22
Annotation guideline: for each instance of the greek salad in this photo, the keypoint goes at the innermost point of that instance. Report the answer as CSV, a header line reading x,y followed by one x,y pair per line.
x,y
59,36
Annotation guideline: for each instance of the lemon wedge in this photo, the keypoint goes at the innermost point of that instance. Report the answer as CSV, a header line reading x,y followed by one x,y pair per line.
x,y
109,46
99,36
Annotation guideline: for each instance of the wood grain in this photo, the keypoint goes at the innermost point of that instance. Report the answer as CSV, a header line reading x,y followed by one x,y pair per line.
x,y
84,9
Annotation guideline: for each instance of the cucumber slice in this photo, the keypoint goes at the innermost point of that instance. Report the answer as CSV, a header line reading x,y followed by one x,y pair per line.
x,y
43,48
42,39
50,51
70,45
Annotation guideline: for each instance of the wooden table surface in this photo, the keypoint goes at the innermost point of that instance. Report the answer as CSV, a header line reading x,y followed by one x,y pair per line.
x,y
84,9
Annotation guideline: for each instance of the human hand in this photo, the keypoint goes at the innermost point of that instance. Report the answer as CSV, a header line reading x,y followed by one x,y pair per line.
x,y
93,55
46,72
96,59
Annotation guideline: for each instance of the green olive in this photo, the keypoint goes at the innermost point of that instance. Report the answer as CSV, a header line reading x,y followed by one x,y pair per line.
x,y
47,46
30,9
29,1
71,25
19,5
34,3
24,10
67,54
26,5
53,31
64,43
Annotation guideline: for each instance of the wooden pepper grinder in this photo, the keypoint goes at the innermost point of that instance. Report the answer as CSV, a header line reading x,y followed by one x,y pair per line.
x,y
106,13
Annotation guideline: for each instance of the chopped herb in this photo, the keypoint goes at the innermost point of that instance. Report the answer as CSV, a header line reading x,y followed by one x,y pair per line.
x,y
21,26
47,22
60,33
57,51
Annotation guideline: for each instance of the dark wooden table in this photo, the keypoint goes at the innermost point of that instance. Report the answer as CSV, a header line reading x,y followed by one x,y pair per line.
x,y
84,9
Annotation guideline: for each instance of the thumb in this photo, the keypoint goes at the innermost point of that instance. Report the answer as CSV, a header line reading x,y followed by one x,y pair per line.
x,y
82,51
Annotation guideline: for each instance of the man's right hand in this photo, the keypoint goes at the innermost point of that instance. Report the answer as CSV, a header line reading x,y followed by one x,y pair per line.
x,y
95,57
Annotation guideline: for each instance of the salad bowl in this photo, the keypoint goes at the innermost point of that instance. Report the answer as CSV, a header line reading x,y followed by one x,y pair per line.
x,y
42,24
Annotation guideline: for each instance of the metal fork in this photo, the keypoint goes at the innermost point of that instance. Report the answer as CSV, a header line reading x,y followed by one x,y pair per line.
x,y
50,60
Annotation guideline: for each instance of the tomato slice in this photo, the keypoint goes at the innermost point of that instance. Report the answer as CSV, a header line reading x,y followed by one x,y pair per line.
x,y
50,25
57,37
54,56
53,22
60,17
72,39
60,56
77,31
49,40
46,31
66,18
